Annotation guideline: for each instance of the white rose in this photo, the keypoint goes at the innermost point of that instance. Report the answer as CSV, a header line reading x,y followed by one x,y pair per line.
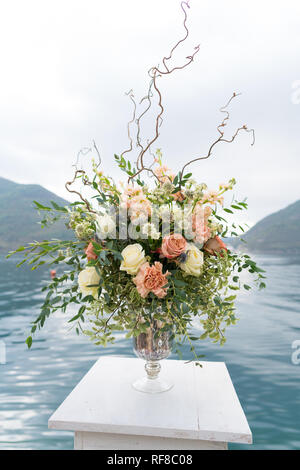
x,y
194,261
133,258
89,277
105,226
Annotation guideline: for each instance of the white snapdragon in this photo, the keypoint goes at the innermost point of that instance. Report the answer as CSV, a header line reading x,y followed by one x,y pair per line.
x,y
177,214
164,211
182,218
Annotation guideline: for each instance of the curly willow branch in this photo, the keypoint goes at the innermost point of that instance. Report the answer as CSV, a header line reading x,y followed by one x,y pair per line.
x,y
85,182
131,96
84,151
221,137
181,40
155,73
138,121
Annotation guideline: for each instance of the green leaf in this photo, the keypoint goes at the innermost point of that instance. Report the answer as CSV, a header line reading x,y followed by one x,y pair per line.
x,y
230,298
29,342
58,208
21,262
78,315
179,283
41,207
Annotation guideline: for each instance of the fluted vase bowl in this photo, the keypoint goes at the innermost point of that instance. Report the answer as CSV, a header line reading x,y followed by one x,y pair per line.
x,y
153,346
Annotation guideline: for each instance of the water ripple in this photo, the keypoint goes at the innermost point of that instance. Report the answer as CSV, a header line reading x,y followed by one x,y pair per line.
x,y
258,356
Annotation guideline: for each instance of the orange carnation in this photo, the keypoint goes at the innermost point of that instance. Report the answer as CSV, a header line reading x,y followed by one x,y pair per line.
x,y
151,279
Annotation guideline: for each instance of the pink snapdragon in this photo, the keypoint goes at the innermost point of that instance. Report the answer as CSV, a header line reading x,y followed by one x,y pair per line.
x,y
213,197
200,223
139,206
164,174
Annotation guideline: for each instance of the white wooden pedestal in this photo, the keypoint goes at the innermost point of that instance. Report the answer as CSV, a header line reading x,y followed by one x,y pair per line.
x,y
201,411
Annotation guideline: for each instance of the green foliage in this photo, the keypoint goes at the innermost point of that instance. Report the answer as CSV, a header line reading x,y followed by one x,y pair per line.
x,y
114,303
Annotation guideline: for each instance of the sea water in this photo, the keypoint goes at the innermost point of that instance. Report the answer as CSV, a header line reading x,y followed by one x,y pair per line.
x,y
260,353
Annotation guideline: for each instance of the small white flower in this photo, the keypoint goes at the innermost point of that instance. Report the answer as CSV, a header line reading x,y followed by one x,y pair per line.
x,y
150,230
177,214
164,211
105,225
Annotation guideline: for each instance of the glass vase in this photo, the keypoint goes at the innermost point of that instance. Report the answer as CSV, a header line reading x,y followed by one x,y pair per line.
x,y
153,346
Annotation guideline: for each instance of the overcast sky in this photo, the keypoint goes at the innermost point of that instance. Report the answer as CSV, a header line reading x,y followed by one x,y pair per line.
x,y
66,65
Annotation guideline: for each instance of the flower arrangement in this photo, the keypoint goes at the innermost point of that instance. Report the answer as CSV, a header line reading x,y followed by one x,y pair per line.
x,y
150,248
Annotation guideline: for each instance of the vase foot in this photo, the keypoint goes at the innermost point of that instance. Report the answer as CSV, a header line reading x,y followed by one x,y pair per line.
x,y
147,385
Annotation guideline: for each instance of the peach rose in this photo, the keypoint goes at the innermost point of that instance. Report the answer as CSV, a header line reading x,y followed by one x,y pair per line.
x,y
151,279
89,251
173,245
214,245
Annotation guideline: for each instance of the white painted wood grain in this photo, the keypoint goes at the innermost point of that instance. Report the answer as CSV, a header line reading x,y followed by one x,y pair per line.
x,y
202,405
220,414
104,441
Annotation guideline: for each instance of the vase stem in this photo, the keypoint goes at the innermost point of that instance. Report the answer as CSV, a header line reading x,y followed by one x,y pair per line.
x,y
152,368
153,345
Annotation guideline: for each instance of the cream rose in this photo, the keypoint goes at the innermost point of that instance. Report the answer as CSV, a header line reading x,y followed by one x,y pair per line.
x,y
194,261
89,277
133,258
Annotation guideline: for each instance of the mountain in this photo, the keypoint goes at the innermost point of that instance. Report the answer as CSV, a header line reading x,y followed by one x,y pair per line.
x,y
19,220
278,233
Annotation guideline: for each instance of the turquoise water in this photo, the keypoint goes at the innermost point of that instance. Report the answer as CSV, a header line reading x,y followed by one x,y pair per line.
x,y
258,356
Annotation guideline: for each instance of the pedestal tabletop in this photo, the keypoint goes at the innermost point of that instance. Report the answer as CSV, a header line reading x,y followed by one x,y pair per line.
x,y
202,405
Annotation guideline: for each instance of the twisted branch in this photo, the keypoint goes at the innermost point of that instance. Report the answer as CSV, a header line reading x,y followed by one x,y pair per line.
x,y
85,182
191,58
148,98
223,109
155,73
131,96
